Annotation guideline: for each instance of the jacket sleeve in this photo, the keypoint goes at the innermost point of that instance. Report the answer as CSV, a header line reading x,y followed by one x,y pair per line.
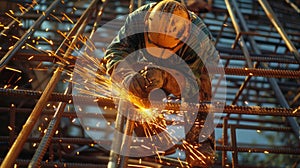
x,y
120,47
204,57
128,39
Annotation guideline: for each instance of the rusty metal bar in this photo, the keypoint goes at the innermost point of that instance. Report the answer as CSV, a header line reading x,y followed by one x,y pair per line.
x,y
29,32
28,126
54,123
276,23
238,31
277,150
47,164
52,127
234,146
256,110
245,51
225,141
222,29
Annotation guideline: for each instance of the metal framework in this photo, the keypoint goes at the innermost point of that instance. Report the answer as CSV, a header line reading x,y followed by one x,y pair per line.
x,y
258,42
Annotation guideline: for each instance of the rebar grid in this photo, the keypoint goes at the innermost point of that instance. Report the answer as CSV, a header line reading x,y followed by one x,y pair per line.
x,y
274,45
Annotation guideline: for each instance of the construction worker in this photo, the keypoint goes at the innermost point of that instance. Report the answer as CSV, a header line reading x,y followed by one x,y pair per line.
x,y
164,46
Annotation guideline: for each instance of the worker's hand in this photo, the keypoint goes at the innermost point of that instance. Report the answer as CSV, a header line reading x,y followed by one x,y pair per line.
x,y
142,83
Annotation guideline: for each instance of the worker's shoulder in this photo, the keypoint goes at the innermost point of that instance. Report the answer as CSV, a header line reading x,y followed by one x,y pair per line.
x,y
195,19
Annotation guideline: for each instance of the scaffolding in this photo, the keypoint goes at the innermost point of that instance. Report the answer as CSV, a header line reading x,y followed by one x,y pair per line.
x,y
258,42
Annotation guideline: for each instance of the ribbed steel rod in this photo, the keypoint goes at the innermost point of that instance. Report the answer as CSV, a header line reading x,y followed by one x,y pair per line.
x,y
52,127
239,38
277,150
47,164
108,102
54,123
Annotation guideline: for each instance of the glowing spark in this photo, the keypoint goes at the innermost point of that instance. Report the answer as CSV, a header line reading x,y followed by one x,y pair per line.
x,y
146,147
296,110
56,18
13,69
22,8
62,34
70,20
13,18
31,46
15,37
48,41
10,128
30,58
180,162
195,154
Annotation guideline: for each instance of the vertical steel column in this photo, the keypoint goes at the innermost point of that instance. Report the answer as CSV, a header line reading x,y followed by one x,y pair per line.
x,y
234,146
225,141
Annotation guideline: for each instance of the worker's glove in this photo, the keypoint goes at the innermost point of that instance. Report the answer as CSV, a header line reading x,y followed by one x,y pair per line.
x,y
143,82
